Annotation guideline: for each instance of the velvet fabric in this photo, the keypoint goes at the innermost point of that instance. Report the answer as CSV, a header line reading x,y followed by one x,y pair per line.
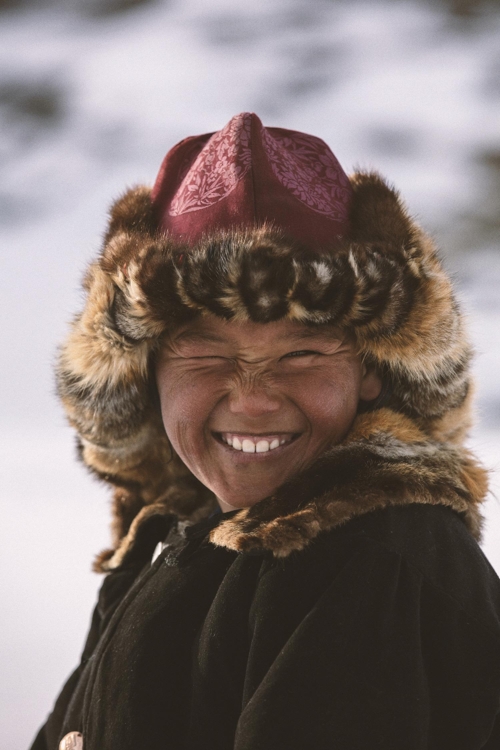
x,y
382,633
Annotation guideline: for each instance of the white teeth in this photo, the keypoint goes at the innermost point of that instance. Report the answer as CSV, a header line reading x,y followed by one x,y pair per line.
x,y
248,445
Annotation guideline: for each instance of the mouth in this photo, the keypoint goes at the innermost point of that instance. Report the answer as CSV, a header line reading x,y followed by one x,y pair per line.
x,y
251,443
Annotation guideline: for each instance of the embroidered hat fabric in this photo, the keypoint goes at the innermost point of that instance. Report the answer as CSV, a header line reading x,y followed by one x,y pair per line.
x,y
248,175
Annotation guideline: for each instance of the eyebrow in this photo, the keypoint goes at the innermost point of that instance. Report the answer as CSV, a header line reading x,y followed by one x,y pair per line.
x,y
314,334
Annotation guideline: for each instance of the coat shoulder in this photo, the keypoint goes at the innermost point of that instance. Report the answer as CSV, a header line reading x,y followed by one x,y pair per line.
x,y
435,542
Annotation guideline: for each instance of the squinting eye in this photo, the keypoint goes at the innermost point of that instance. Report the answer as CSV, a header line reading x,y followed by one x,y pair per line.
x,y
301,353
212,357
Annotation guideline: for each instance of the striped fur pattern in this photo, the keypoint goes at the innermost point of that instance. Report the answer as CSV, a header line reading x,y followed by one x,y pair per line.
x,y
385,460
384,283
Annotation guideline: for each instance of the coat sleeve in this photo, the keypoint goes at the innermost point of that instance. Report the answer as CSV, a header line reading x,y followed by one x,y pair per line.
x,y
113,589
385,659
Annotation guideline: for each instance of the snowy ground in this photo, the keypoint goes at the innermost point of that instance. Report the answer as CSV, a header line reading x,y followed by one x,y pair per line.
x,y
89,103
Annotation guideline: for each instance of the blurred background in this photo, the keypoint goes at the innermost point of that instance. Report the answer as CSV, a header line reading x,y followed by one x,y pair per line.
x,y
92,95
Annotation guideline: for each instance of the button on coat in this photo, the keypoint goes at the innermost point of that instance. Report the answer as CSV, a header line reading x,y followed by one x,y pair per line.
x,y
72,741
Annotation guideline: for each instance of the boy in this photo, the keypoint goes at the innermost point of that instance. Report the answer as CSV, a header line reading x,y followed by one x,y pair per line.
x,y
272,372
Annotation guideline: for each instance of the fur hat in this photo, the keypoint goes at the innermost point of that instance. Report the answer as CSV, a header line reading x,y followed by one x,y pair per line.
x,y
308,245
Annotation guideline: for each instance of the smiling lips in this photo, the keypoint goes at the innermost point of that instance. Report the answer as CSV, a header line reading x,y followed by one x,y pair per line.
x,y
255,443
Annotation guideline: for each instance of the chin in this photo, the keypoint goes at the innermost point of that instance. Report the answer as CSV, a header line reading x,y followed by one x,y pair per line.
x,y
239,501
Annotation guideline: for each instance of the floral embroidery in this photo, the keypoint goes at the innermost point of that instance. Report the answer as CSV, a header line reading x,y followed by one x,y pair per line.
x,y
222,163
306,166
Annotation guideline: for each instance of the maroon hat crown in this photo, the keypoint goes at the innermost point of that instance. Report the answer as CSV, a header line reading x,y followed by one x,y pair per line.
x,y
246,175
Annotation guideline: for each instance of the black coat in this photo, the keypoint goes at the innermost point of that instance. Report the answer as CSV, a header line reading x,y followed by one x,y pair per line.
x,y
382,633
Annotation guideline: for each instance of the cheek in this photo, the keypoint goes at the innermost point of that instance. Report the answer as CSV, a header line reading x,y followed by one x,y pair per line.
x,y
330,403
186,403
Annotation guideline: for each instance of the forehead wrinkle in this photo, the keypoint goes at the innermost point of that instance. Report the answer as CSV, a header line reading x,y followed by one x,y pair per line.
x,y
200,336
304,334
308,334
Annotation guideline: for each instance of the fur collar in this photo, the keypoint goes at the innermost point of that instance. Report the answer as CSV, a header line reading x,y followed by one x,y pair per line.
x,y
384,461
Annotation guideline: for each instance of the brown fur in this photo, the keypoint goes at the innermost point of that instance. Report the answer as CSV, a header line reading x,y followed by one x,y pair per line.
x,y
384,283
369,470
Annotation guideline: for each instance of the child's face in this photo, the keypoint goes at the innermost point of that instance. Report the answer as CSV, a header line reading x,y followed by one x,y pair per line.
x,y
248,405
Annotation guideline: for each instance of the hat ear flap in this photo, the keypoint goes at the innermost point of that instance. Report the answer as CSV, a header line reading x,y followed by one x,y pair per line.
x,y
378,214
133,212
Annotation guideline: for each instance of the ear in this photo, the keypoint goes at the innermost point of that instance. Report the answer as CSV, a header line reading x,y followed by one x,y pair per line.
x,y
371,385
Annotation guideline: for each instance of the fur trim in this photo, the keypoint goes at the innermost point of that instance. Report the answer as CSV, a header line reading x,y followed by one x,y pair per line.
x,y
373,468
384,283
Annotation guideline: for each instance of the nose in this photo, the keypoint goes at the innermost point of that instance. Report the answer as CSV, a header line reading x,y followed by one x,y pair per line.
x,y
253,401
